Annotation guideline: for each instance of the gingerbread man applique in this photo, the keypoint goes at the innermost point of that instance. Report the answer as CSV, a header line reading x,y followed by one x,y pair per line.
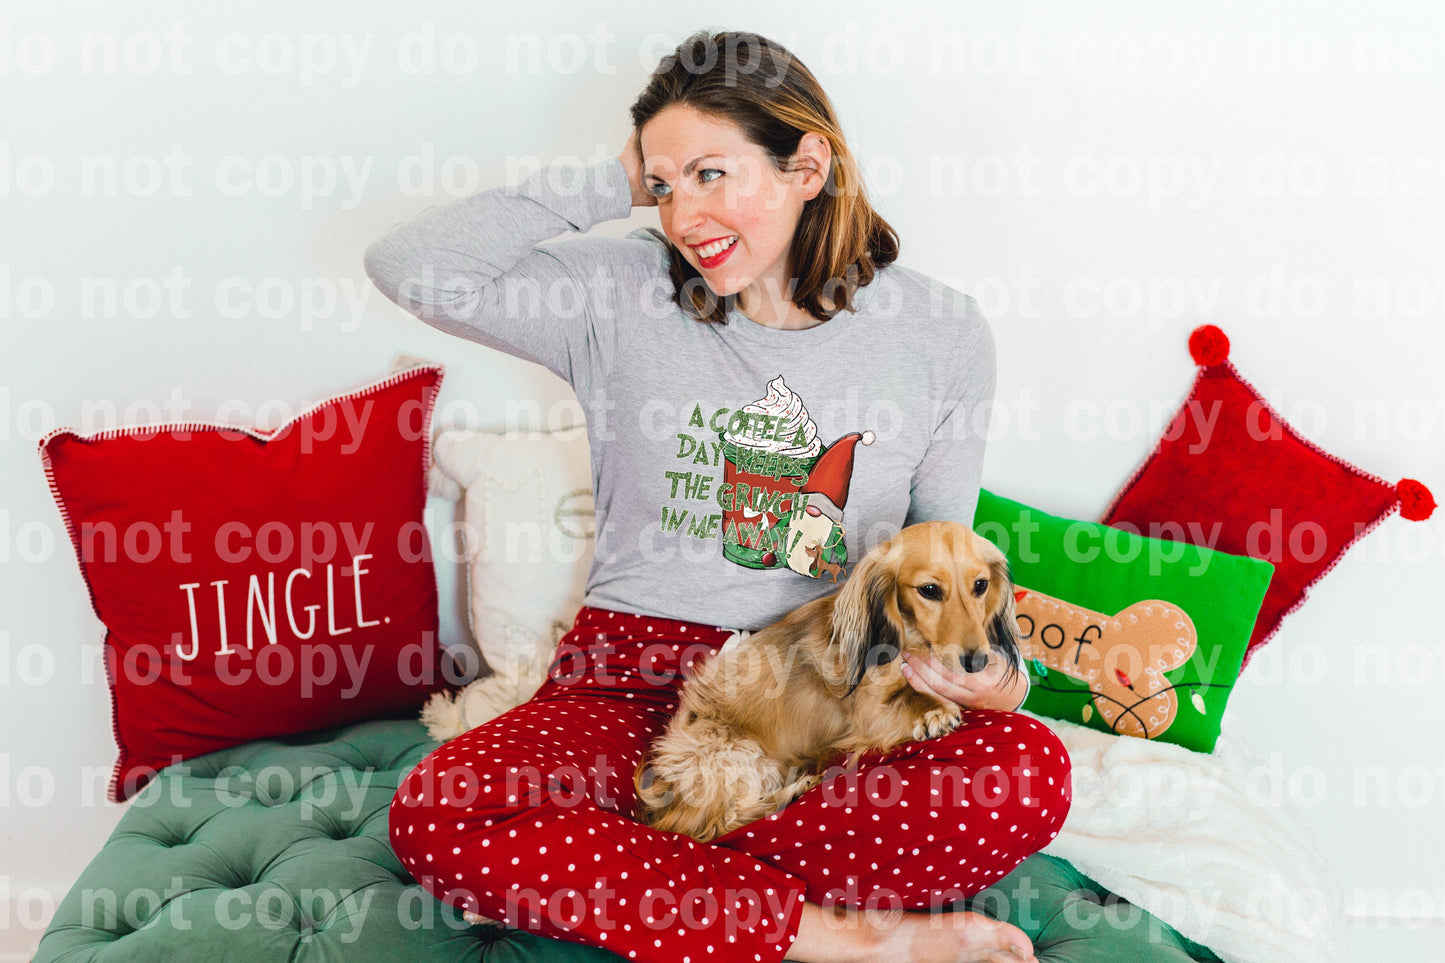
x,y
1121,658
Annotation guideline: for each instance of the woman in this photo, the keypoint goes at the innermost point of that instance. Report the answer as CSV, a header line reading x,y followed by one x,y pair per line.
x,y
755,375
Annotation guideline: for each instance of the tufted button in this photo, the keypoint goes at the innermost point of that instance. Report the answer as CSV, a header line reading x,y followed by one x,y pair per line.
x,y
275,792
336,832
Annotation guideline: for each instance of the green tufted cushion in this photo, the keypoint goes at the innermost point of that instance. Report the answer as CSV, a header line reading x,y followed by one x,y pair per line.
x,y
277,850
1073,919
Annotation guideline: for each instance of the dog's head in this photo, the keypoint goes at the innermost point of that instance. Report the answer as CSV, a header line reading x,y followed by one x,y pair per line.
x,y
935,586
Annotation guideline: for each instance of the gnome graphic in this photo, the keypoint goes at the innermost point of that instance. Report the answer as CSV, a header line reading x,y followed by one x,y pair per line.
x,y
815,534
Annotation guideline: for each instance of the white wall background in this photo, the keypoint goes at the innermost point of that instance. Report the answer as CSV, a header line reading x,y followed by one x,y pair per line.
x,y
1104,177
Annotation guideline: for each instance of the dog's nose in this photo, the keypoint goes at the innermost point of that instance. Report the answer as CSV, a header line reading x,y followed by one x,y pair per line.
x,y
973,661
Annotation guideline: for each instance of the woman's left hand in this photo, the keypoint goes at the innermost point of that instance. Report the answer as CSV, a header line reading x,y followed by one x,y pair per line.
x,y
967,690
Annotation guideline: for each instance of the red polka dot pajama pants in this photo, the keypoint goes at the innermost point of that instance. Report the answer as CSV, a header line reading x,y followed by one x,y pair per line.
x,y
530,818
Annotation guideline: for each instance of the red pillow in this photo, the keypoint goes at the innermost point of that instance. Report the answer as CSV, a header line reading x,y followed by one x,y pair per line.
x,y
256,583
1231,474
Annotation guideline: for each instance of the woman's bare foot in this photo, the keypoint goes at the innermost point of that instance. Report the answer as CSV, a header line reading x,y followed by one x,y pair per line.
x,y
949,938
838,935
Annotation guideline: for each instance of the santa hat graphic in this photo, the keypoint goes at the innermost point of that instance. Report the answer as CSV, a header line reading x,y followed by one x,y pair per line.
x,y
834,470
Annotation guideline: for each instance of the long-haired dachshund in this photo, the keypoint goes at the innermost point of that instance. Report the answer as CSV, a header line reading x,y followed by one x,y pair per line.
x,y
759,721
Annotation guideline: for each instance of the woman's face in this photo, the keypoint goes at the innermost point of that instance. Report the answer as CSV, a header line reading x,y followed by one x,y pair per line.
x,y
712,184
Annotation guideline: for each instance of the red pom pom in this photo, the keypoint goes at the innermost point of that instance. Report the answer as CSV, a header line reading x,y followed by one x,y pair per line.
x,y
1208,345
1416,502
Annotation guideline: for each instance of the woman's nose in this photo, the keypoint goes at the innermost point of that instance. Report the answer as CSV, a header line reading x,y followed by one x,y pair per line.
x,y
688,212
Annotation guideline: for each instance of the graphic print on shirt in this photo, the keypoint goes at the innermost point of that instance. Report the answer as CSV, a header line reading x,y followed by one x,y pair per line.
x,y
782,493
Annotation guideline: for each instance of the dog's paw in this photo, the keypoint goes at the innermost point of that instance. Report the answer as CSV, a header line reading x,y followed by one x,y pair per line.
x,y
797,787
936,722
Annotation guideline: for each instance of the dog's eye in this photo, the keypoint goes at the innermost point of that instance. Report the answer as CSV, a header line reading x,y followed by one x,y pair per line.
x,y
930,591
980,586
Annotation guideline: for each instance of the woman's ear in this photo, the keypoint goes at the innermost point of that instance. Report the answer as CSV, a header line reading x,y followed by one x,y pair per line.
x,y
814,158
865,629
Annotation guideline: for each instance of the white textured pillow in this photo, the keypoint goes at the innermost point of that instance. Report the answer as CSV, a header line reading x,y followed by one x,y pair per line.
x,y
529,532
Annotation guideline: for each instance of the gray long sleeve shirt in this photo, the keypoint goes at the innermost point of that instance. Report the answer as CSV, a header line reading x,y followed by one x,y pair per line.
x,y
739,470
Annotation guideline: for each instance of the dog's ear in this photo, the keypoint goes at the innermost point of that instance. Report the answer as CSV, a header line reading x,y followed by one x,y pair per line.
x,y
1003,623
865,629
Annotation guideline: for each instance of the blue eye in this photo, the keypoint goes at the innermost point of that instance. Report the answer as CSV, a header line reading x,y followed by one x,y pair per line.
x,y
659,189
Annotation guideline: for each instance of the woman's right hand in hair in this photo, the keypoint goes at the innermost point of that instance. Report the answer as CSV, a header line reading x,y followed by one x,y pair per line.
x,y
631,158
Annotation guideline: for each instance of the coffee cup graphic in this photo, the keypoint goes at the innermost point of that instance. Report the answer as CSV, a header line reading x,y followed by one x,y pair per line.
x,y
768,490
773,463
764,490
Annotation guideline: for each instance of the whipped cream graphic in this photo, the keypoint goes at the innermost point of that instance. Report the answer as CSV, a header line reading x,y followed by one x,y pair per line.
x,y
778,423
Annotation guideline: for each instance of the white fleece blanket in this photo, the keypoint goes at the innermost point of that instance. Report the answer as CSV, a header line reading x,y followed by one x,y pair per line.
x,y
1201,841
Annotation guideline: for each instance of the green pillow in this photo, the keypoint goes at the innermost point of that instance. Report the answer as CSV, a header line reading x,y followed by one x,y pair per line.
x,y
1127,634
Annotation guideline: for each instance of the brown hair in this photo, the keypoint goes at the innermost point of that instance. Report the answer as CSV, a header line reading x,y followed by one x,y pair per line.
x,y
756,84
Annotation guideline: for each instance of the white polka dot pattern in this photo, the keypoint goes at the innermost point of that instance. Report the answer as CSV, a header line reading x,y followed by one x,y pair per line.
x,y
529,818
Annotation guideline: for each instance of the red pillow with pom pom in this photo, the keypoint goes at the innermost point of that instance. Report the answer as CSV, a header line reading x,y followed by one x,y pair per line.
x,y
256,583
1231,474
